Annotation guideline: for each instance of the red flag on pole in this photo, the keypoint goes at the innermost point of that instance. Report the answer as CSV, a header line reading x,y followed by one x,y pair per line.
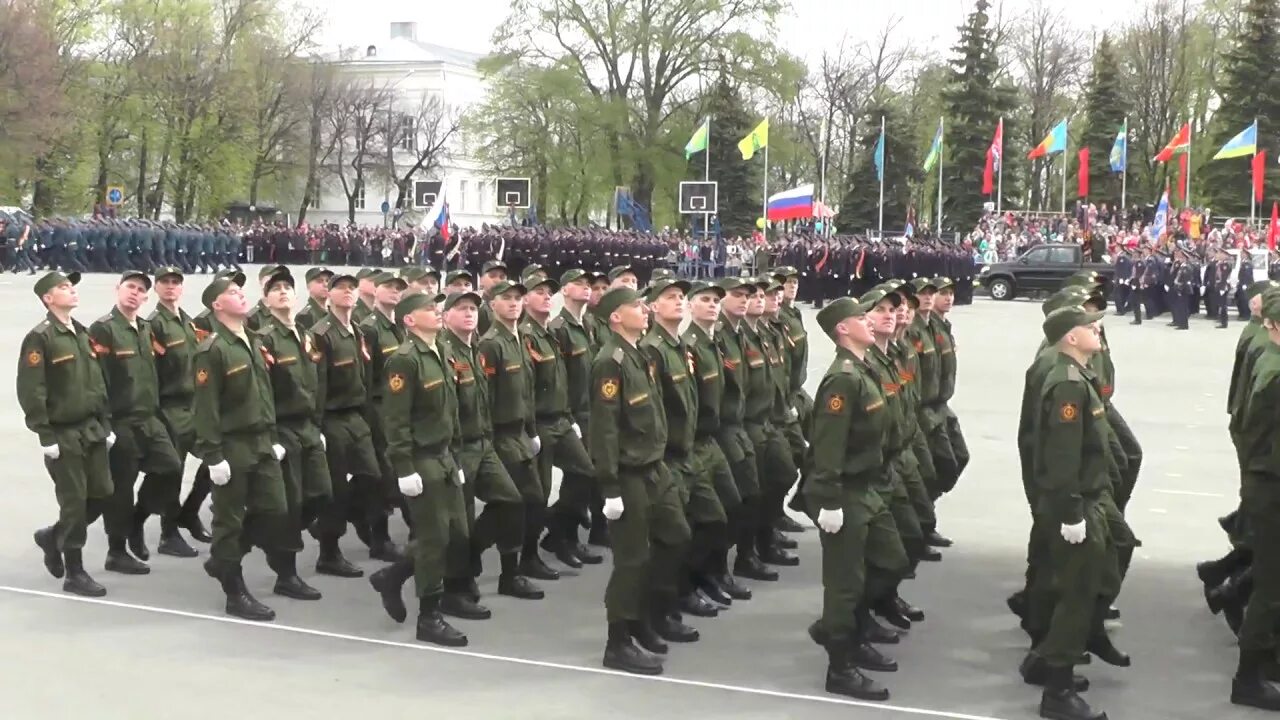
x,y
1182,178
1273,232
987,174
1082,182
1180,142
1259,174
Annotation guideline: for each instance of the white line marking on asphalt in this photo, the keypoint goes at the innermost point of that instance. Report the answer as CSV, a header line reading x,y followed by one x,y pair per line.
x,y
831,700
1182,447
1173,475
1159,511
1189,493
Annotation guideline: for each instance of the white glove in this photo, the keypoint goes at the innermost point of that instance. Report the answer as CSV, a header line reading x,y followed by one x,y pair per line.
x,y
1166,288
536,442
831,520
411,485
220,474
1073,534
51,452
577,430
1202,289
324,442
278,451
613,508
110,440
462,479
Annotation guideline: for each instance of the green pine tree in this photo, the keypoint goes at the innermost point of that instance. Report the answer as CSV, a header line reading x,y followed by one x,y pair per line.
x,y
1106,101
859,208
739,180
1250,90
973,107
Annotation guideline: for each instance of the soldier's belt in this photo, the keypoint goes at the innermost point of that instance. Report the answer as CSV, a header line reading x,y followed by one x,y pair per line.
x,y
551,418
178,401
511,428
642,468
430,451
344,411
472,441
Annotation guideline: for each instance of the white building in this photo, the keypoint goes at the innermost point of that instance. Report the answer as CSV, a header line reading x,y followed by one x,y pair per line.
x,y
413,70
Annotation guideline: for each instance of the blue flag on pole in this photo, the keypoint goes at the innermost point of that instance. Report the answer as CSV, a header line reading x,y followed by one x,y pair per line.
x,y
878,158
1120,150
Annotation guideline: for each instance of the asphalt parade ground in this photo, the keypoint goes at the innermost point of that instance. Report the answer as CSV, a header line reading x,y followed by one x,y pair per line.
x,y
159,646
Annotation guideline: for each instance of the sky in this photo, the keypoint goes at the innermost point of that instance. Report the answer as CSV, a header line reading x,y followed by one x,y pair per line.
x,y
808,30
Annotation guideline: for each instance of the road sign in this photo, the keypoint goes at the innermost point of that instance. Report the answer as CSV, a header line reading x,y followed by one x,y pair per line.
x,y
386,207
115,194
699,197
513,192
425,193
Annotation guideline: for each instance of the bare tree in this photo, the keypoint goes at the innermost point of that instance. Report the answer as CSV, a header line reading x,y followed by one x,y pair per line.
x,y
356,119
425,136
31,98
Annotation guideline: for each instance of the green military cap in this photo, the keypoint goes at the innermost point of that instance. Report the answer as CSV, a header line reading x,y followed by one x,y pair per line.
x,y
729,284
454,298
281,274
336,278
267,271
1063,320
169,271
384,278
597,276
1271,306
1067,297
365,272
656,289
414,273
619,270
875,296
227,273
1082,280
613,300
701,286
892,284
493,265
768,283
943,283
1260,287
538,279
574,275
838,311
219,286
138,274
921,284
504,286
51,280
660,274
786,271
531,270
455,274
318,272
414,301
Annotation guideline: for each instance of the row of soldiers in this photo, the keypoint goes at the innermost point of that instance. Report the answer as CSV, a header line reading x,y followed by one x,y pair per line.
x,y
1149,282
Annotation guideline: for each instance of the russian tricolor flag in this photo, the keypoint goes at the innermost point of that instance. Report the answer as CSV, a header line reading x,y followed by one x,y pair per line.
x,y
795,204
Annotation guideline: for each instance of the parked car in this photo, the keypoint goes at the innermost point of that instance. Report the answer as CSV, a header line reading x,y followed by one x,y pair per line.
x,y
1042,269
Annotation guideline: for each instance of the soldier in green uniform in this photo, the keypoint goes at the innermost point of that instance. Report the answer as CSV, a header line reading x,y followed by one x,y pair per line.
x,y
126,352
491,273
796,341
317,297
672,363
785,427
424,279
623,276
647,525
291,362
382,335
64,402
951,453
925,340
558,430
423,439
575,338
458,281
512,407
862,553
260,313
236,436
174,338
1260,502
342,393
365,288
734,441
709,374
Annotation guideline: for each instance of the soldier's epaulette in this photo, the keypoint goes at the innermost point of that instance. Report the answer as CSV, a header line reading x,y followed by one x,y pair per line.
x,y
557,323
618,355
207,343
321,327
104,319
41,326
1073,374
691,337
370,321
153,315
404,349
721,326
846,366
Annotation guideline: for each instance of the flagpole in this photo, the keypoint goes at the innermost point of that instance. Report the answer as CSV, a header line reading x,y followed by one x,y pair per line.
x,y
942,142
764,204
1253,197
822,173
706,177
1000,171
1187,191
1064,181
882,162
1124,169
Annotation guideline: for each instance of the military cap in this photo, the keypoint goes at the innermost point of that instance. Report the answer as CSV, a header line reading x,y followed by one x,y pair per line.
x,y
784,272
1271,306
53,279
1084,280
597,276
1063,320
729,284
574,275
875,296
921,284
1067,297
318,272
281,273
169,270
838,311
454,298
227,273
656,289
943,283
219,286
414,301
701,286
768,283
493,265
613,300
132,274
385,277
336,278
365,272
532,269
267,271
660,274
1260,287
538,279
503,286
619,270
455,274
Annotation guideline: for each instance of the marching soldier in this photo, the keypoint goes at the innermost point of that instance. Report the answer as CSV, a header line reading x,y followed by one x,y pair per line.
x,y
236,436
260,313
317,296
491,273
126,351
421,279
457,281
647,526
64,402
365,288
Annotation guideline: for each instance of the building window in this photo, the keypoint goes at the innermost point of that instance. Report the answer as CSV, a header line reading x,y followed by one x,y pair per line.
x,y
462,193
316,193
481,188
359,194
408,133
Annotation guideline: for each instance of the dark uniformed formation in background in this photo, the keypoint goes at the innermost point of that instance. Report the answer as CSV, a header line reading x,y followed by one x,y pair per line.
x,y
1184,281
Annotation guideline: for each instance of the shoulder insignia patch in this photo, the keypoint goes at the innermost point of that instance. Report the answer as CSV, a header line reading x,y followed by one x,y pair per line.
x,y
34,358
395,382
609,389
202,376
835,403
1068,412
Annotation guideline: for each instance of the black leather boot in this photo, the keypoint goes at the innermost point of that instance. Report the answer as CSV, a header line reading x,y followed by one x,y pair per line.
x,y
240,603
389,583
432,626
119,560
49,546
1099,643
460,605
1035,671
621,653
873,632
513,584
563,552
773,555
1250,686
933,539
333,562
732,587
749,566
886,608
288,584
1059,701
782,541
909,611
172,542
845,679
863,654
532,566
787,525
78,581
642,632
138,537
694,603
713,592
667,627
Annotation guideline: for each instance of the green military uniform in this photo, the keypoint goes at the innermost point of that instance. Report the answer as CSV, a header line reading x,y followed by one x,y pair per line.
x,y
510,372
258,316
126,352
796,342
766,387
1251,345
906,360
382,336
946,442
845,464
921,340
627,443
64,402
313,311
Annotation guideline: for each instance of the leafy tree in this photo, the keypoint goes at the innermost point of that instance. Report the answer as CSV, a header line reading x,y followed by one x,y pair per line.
x,y
1105,107
972,112
859,209
739,181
